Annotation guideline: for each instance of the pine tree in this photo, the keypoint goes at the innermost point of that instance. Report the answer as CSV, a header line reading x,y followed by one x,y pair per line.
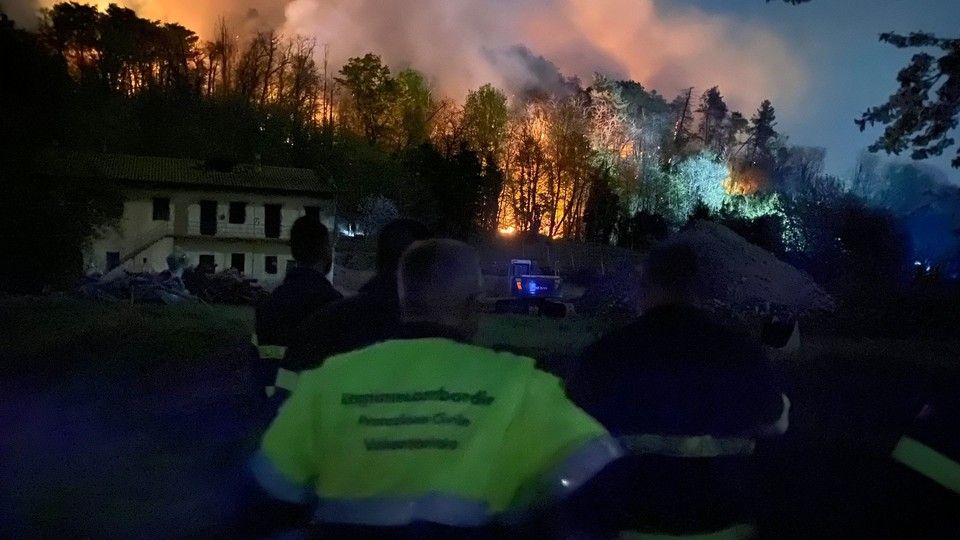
x,y
763,136
713,111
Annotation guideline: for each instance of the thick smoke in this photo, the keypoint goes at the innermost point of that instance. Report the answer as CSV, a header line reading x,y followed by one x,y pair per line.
x,y
462,44
516,44
23,12
202,16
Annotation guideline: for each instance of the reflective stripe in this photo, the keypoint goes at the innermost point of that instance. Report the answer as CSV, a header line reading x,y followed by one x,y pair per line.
x,y
275,483
268,352
928,462
564,478
286,379
271,352
570,474
742,531
578,468
702,446
397,511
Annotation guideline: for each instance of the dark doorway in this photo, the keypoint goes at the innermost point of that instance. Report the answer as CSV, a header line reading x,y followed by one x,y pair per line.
x,y
208,218
270,264
113,260
312,212
238,261
271,220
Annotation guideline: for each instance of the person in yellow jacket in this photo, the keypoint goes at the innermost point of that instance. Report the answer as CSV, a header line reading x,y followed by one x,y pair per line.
x,y
427,432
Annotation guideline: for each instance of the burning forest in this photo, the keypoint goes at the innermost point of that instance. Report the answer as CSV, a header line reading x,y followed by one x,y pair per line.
x,y
506,268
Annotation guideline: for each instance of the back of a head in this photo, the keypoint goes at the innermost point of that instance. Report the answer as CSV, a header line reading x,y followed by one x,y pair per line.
x,y
394,238
438,281
671,267
177,260
310,243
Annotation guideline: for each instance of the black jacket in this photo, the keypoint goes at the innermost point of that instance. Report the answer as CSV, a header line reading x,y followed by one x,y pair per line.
x,y
303,292
372,315
674,372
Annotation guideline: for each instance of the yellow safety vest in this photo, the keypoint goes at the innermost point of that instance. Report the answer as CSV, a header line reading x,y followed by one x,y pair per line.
x,y
428,430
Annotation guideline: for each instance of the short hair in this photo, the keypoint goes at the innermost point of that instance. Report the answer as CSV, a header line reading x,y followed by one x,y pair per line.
x,y
671,265
436,277
394,238
310,242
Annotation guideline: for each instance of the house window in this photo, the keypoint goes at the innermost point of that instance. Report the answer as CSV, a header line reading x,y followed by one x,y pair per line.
x,y
161,209
206,263
270,264
208,218
271,220
238,262
238,212
312,212
113,260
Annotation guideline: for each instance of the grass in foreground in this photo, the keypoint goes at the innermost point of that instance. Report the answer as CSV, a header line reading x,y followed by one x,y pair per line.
x,y
60,335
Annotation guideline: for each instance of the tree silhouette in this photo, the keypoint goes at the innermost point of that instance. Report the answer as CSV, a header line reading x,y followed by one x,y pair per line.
x,y
763,136
914,120
924,111
713,111
373,90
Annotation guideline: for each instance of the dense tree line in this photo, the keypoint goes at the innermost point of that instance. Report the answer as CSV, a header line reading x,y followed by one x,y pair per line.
x,y
610,162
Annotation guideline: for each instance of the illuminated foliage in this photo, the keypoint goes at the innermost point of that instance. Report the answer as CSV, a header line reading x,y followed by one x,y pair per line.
x,y
372,91
485,119
703,178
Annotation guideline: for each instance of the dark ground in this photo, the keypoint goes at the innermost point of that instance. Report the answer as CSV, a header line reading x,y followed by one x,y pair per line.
x,y
111,429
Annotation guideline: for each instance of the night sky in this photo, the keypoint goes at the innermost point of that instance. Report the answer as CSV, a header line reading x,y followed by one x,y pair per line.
x,y
847,67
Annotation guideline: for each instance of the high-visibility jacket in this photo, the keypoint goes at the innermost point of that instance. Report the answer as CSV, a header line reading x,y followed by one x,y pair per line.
x,y
428,430
279,378
923,489
932,448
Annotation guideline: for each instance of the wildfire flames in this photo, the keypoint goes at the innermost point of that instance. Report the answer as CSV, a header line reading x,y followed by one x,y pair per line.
x,y
746,181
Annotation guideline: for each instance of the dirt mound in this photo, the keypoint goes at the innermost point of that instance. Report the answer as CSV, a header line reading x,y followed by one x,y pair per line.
x,y
735,275
738,273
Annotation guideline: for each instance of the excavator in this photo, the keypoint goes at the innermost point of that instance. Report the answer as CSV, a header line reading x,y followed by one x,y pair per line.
x,y
532,291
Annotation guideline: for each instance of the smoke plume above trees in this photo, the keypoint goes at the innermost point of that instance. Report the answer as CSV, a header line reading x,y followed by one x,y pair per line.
x,y
512,43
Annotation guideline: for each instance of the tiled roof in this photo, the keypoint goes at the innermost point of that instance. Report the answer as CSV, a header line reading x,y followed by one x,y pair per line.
x,y
190,173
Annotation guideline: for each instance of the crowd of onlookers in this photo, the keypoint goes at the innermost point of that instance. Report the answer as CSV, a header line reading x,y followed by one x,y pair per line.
x,y
394,424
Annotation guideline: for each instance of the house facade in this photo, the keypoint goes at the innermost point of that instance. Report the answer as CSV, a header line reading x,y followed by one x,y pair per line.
x,y
228,215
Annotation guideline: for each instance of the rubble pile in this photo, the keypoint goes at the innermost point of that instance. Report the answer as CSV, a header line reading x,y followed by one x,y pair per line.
x,y
118,285
225,287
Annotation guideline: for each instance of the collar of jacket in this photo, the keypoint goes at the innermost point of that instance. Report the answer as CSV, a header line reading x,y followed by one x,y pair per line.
x,y
381,285
303,273
421,330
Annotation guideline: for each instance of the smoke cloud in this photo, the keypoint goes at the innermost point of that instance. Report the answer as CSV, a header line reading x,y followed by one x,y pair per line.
x,y
461,44
201,16
23,12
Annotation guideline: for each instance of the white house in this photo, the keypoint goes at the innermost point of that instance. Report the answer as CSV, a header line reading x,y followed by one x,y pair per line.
x,y
231,215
